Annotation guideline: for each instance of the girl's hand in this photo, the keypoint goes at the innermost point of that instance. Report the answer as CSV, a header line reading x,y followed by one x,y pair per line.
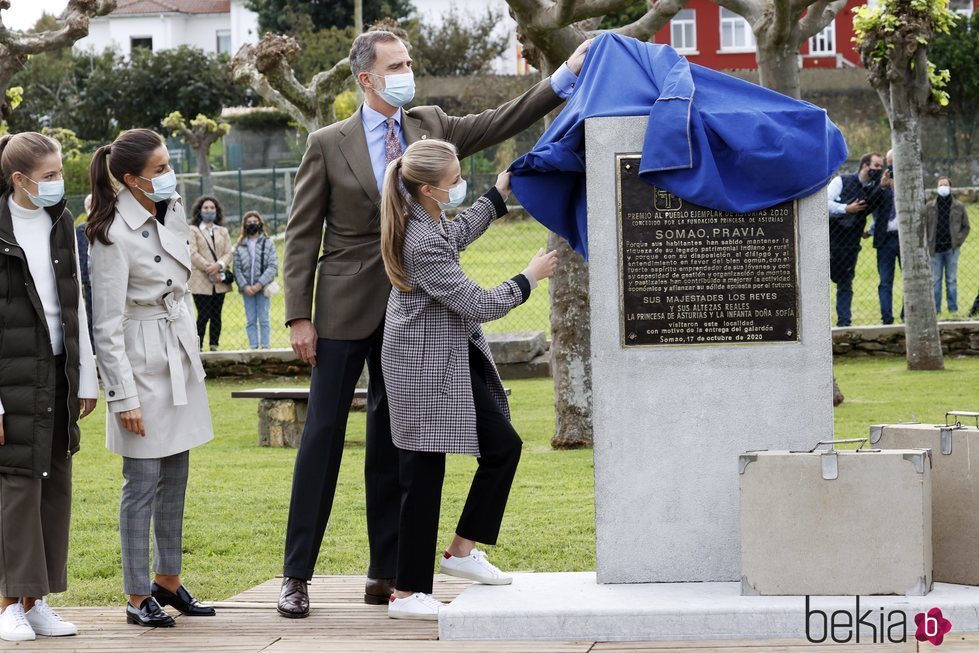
x,y
503,184
543,264
2,441
86,407
132,421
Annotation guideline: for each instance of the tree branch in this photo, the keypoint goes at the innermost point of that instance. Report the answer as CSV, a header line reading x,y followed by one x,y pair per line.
x,y
783,21
751,10
75,18
659,15
335,80
820,14
589,8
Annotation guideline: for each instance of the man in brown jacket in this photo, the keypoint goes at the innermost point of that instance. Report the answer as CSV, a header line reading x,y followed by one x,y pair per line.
x,y
339,271
947,226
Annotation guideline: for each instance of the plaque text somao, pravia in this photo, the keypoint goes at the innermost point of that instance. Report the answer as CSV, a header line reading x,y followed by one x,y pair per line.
x,y
696,276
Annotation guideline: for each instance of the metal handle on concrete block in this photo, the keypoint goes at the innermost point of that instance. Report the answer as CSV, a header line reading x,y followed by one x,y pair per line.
x,y
835,442
918,459
743,461
961,413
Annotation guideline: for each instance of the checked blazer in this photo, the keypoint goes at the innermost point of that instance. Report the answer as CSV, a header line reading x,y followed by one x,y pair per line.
x,y
425,356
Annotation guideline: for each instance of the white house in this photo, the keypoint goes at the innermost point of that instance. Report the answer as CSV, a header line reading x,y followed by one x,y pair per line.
x,y
214,26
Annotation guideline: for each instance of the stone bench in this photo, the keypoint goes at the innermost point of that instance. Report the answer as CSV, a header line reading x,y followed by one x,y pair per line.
x,y
282,413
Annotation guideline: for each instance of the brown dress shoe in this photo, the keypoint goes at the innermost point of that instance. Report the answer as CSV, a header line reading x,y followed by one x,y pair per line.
x,y
378,591
294,598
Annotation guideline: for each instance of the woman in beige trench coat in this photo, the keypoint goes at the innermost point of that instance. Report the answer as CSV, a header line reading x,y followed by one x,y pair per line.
x,y
147,350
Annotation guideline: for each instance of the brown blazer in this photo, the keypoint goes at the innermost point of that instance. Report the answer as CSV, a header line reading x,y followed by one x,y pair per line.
x,y
201,257
336,189
958,223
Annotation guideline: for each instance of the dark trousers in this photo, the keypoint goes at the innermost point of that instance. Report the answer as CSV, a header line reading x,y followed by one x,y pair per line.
x,y
888,260
422,474
35,515
338,367
209,309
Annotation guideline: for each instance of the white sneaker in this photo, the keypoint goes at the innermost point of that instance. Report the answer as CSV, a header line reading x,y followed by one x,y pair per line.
x,y
416,606
475,567
45,621
14,626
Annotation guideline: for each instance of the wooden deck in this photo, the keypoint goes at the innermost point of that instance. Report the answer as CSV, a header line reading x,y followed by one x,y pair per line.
x,y
341,623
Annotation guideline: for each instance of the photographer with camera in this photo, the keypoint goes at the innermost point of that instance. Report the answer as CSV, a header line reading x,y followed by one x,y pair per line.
x,y
851,199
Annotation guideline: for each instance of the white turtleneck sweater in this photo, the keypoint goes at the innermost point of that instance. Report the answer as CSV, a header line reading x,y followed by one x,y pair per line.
x,y
32,229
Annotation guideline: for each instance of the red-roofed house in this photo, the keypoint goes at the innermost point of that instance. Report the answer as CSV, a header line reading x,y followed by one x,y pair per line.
x,y
216,26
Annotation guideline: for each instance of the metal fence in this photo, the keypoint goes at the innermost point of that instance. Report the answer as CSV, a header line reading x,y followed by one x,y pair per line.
x,y
860,260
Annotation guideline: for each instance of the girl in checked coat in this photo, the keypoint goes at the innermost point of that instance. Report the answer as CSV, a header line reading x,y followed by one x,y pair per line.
x,y
147,350
444,392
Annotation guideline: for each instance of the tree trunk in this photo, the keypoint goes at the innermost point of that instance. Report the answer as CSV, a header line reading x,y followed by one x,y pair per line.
x,y
204,170
924,347
570,348
779,71
570,338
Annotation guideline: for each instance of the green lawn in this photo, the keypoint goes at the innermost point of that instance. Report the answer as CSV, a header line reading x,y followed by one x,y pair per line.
x,y
866,305
501,253
239,493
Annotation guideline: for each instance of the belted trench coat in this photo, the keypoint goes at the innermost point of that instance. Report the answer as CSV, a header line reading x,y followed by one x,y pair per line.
x,y
145,335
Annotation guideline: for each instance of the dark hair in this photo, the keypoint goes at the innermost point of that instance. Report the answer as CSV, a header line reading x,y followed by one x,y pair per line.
x,y
21,153
195,211
943,178
867,158
126,155
244,223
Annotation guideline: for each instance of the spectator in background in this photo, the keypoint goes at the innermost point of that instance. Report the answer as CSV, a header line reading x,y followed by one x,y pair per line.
x,y
851,199
886,241
211,277
256,264
82,240
947,227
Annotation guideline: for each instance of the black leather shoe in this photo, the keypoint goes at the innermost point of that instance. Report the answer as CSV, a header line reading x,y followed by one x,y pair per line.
x,y
182,600
294,598
149,613
378,591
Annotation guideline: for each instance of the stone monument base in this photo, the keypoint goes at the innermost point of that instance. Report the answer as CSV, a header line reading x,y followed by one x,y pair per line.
x,y
573,606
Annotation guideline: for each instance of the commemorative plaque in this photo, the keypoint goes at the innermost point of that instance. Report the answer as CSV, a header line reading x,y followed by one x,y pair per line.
x,y
695,276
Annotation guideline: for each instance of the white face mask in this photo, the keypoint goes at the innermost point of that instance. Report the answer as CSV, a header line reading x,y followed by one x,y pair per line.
x,y
49,193
399,90
944,190
456,194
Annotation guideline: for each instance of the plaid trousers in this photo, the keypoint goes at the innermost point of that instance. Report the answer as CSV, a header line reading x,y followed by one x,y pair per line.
x,y
154,488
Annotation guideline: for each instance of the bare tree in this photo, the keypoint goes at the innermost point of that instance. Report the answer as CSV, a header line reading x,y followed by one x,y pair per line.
x,y
780,28
265,68
16,47
893,40
550,30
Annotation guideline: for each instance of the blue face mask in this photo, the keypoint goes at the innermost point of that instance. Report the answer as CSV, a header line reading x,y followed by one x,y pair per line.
x,y
398,89
456,194
164,186
49,193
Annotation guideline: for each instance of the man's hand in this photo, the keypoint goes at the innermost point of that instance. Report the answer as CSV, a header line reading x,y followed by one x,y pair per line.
x,y
303,339
886,181
856,207
86,406
132,421
577,58
1,430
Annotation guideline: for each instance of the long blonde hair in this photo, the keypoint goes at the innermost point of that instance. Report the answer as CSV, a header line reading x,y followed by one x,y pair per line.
x,y
424,162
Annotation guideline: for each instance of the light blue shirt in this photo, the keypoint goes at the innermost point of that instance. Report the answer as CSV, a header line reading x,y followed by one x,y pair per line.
x,y
376,129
